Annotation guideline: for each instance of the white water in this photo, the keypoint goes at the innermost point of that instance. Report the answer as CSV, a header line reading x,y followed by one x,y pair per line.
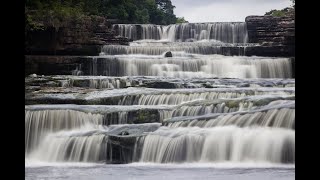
x,y
71,146
39,123
196,66
219,144
249,133
156,48
102,82
176,97
226,32
274,118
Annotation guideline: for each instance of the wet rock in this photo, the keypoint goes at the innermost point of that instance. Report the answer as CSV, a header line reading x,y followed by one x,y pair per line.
x,y
271,51
120,150
51,65
168,54
160,84
207,85
124,133
144,116
243,85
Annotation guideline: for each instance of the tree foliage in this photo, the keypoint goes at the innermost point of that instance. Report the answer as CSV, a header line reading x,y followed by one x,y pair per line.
x,y
181,20
282,12
279,13
42,13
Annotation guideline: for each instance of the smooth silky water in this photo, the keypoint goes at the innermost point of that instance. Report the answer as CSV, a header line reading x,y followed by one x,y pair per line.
x,y
217,114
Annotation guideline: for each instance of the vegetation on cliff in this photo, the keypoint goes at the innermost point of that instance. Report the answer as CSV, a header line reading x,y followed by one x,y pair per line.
x,y
56,13
282,12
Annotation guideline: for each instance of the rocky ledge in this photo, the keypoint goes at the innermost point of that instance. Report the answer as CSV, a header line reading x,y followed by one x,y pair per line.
x,y
276,35
82,37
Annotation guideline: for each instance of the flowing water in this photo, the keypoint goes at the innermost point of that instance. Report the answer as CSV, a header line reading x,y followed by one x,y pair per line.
x,y
134,112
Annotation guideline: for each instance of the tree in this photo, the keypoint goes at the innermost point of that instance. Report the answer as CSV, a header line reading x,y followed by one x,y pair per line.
x,y
167,9
280,13
129,11
181,20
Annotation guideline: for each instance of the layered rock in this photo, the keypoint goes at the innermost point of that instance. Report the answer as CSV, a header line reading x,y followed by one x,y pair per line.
x,y
49,65
84,37
276,35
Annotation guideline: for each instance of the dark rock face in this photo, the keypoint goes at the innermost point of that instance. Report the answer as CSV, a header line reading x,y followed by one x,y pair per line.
x,y
49,65
270,29
69,65
83,37
273,51
160,84
134,117
276,35
168,54
121,150
144,116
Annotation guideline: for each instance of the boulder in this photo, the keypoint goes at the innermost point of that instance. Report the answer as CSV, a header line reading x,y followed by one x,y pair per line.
x,y
168,54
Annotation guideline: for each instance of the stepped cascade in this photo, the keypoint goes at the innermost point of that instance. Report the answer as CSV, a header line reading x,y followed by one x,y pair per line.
x,y
182,93
235,32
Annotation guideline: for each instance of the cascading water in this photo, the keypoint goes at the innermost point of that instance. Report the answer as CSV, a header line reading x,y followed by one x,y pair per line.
x,y
274,118
39,123
218,144
59,147
178,97
213,103
233,32
195,66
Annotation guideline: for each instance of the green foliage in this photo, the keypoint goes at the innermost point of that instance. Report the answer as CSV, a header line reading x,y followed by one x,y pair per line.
x,y
181,20
142,16
56,13
32,24
279,13
53,13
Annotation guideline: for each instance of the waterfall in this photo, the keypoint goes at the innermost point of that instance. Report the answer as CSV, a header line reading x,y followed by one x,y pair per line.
x,y
77,71
59,147
89,144
39,123
197,66
219,144
102,82
175,98
181,93
229,32
105,83
193,48
284,118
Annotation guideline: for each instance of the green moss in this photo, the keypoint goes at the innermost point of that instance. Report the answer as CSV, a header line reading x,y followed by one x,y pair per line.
x,y
261,102
146,116
232,104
